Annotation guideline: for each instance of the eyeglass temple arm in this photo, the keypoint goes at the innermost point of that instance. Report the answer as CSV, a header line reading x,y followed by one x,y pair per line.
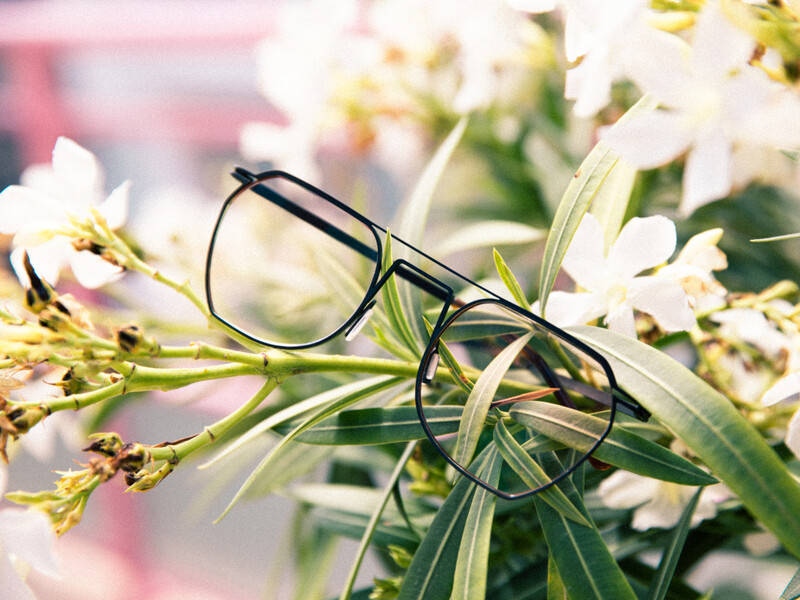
x,y
624,402
401,268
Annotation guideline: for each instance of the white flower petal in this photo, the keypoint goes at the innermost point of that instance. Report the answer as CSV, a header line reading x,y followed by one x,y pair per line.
x,y
78,172
621,320
642,244
115,208
708,172
46,259
650,140
623,489
91,271
589,84
783,389
565,309
13,586
793,434
21,206
663,299
658,62
718,46
27,535
585,258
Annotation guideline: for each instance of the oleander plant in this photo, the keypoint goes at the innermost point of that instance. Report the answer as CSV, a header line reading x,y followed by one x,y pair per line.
x,y
569,369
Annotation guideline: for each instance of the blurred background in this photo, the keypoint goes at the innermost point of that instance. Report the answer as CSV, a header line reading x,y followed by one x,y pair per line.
x,y
353,97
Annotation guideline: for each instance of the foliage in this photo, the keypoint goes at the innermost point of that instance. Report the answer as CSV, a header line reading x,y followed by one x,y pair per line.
x,y
716,462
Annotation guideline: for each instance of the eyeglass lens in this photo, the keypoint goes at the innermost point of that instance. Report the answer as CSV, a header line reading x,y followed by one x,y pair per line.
x,y
505,373
279,270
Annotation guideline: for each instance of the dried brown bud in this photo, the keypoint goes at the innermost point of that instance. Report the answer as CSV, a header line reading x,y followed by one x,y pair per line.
x,y
107,444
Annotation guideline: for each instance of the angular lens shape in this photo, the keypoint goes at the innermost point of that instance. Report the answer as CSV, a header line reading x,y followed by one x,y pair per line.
x,y
287,265
540,397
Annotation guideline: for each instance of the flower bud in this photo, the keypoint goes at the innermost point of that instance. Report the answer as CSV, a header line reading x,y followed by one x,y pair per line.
x,y
107,444
131,339
25,418
41,293
132,457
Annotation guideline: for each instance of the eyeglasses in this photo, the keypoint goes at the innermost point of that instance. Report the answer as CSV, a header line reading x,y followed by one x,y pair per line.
x,y
291,267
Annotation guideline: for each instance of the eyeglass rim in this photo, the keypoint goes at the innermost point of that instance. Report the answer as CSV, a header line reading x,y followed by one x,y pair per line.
x,y
432,348
250,180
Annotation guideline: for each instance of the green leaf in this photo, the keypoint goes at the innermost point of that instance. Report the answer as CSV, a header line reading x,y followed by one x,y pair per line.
x,y
611,202
621,448
710,425
367,387
669,560
415,211
398,321
778,238
486,234
555,585
510,281
480,400
375,518
414,216
584,562
326,411
367,426
430,575
533,475
472,565
582,190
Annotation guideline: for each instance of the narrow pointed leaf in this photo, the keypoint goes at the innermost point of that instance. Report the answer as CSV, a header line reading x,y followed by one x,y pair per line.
x,y
367,426
710,425
587,569
486,234
374,520
398,320
469,581
582,190
669,560
480,400
415,215
533,475
430,575
510,281
621,448
366,386
325,411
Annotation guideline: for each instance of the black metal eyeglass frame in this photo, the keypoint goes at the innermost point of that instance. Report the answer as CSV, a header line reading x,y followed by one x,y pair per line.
x,y
616,399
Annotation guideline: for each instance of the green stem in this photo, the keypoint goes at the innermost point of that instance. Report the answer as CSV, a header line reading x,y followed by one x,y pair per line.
x,y
211,433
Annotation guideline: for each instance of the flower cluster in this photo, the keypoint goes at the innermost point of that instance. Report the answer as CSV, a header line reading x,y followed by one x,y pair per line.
x,y
725,99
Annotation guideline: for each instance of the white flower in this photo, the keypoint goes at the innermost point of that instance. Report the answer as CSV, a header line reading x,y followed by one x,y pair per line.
x,y
658,503
787,388
26,543
612,286
752,327
712,102
37,212
694,270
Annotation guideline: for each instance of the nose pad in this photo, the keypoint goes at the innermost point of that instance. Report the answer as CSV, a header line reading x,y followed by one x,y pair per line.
x,y
430,368
352,332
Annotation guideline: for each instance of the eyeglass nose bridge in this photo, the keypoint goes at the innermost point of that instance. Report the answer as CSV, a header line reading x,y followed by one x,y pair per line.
x,y
413,275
